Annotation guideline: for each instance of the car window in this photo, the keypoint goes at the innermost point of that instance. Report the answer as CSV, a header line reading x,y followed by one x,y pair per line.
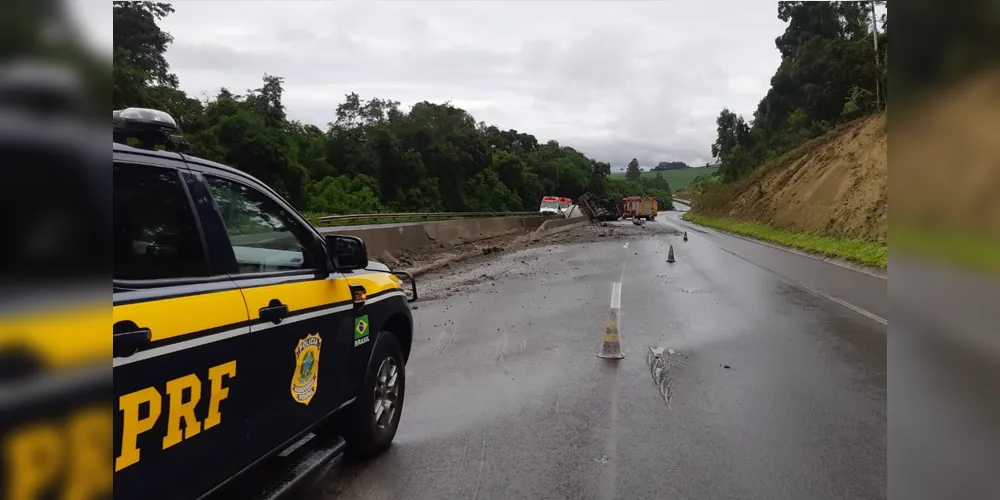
x,y
265,237
156,236
53,229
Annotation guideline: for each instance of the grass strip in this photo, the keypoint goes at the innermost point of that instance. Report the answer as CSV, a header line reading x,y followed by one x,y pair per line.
x,y
860,251
973,252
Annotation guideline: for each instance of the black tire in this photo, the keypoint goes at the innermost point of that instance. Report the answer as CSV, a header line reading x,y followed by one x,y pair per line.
x,y
365,437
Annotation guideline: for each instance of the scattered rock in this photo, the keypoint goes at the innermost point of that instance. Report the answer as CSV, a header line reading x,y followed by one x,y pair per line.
x,y
725,366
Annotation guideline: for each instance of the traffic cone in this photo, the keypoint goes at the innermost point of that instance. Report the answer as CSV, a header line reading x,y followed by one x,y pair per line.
x,y
670,254
685,235
612,347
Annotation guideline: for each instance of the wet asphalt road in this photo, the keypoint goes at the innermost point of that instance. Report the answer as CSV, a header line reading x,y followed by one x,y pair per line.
x,y
764,390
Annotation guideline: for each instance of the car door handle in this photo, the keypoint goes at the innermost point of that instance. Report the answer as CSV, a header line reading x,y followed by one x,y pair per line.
x,y
128,338
274,312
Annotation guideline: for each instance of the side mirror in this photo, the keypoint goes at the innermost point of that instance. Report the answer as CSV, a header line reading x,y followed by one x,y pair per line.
x,y
347,252
406,279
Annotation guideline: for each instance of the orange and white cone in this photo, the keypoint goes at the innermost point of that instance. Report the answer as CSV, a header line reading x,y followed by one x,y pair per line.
x,y
685,235
612,347
670,254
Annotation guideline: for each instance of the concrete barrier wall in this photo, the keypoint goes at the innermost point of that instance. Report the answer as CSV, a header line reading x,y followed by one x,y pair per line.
x,y
443,233
556,223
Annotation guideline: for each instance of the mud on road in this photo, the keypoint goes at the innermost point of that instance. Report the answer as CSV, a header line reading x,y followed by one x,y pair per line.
x,y
478,264
446,257
735,383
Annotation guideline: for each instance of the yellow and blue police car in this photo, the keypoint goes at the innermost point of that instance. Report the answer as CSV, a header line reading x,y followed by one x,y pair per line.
x,y
243,336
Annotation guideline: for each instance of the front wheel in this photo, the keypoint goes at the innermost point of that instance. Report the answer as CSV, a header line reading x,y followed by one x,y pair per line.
x,y
374,416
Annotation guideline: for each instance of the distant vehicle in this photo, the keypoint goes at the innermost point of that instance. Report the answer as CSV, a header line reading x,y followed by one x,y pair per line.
x,y
554,205
639,207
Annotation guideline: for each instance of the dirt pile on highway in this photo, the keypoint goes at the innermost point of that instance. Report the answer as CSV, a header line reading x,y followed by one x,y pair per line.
x,y
425,259
833,185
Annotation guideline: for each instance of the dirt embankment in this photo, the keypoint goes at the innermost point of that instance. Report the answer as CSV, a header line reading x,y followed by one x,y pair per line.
x,y
833,185
946,160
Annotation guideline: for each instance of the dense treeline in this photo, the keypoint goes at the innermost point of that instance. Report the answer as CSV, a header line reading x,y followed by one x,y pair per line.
x,y
829,74
372,157
671,165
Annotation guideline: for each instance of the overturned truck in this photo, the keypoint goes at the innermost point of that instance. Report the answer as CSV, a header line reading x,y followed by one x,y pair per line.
x,y
599,209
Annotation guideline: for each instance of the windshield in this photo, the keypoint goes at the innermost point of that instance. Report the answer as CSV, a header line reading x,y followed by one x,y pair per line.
x,y
550,205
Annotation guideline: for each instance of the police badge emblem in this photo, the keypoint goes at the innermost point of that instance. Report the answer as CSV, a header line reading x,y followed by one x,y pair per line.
x,y
306,377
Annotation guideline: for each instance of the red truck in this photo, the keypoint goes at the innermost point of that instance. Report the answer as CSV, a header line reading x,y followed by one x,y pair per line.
x,y
639,207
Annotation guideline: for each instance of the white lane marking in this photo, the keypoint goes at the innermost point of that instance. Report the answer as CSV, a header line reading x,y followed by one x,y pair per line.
x,y
869,315
829,260
844,303
814,291
616,295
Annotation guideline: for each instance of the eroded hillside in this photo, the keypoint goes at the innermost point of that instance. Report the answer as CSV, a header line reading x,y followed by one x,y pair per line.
x,y
834,185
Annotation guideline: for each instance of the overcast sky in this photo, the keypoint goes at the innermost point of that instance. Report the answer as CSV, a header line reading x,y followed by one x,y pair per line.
x,y
615,80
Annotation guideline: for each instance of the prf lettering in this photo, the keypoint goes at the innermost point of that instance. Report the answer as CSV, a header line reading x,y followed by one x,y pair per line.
x,y
135,422
67,455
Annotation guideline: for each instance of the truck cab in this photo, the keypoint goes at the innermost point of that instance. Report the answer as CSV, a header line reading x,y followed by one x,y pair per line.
x,y
639,207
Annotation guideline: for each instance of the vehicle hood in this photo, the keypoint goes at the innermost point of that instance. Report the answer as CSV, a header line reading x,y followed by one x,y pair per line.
x,y
374,265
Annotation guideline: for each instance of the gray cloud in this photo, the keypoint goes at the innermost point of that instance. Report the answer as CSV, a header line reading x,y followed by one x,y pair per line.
x,y
615,80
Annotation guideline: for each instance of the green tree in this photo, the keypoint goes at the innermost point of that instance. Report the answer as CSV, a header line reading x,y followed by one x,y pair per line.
x,y
371,157
138,58
829,73
632,172
658,182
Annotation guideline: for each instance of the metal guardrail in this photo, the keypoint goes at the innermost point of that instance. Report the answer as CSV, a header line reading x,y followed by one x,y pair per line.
x,y
424,216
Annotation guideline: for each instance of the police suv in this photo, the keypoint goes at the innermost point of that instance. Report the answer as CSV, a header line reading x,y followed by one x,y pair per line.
x,y
244,338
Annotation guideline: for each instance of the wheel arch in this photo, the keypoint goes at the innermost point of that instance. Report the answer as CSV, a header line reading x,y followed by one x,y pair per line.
x,y
402,327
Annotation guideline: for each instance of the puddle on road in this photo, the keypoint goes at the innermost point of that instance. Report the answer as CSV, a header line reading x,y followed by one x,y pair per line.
x,y
662,363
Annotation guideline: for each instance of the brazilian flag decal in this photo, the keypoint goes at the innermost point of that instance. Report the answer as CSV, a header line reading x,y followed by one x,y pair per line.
x,y
360,327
